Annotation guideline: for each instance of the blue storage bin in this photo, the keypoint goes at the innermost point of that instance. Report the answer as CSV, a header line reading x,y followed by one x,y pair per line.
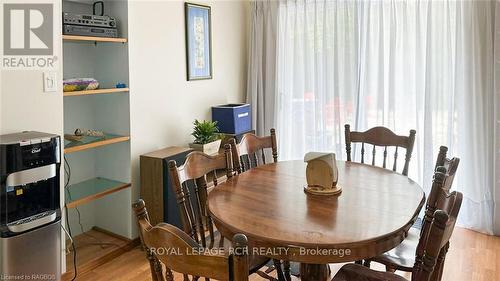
x,y
233,118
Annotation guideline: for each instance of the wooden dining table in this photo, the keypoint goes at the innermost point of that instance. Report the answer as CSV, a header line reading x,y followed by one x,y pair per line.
x,y
371,215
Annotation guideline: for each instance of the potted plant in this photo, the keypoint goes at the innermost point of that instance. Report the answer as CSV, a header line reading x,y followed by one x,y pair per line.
x,y
206,137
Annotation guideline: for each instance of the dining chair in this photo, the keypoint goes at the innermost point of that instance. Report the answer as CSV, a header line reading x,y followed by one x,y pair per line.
x,y
166,244
251,151
381,137
193,209
451,165
431,250
403,256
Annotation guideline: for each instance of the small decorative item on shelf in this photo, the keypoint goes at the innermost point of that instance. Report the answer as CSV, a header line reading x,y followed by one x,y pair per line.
x,y
121,85
69,137
321,174
206,137
81,133
80,84
88,132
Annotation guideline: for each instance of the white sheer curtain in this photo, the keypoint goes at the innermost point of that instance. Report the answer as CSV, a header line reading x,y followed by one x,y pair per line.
x,y
261,85
497,116
424,65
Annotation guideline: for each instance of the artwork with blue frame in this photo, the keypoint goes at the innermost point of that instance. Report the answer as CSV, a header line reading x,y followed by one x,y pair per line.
x,y
198,42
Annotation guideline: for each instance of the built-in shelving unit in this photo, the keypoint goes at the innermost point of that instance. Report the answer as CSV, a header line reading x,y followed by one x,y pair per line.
x,y
88,142
95,92
93,39
90,190
98,169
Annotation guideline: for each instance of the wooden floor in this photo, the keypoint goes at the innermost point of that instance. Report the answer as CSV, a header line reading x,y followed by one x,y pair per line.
x,y
89,247
472,257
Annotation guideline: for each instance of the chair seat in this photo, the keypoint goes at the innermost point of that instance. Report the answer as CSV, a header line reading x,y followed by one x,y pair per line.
x,y
403,256
255,262
356,272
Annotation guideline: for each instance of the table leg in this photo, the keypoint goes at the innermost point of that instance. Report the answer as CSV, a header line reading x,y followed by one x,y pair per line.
x,y
314,272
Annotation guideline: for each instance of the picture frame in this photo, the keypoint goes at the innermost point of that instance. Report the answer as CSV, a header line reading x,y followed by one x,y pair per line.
x,y
198,24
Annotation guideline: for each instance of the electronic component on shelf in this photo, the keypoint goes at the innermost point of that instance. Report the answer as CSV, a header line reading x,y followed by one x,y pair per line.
x,y
89,20
79,30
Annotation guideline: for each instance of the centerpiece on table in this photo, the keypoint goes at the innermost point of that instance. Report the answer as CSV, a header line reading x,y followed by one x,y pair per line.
x,y
206,137
321,174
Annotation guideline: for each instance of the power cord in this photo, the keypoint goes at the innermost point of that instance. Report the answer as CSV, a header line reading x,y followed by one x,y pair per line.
x,y
79,215
67,170
66,184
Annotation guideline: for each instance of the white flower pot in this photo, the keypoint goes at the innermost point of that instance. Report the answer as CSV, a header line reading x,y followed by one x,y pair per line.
x,y
211,148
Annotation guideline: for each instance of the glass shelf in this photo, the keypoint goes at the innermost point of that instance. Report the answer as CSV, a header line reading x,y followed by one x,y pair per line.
x,y
88,142
90,190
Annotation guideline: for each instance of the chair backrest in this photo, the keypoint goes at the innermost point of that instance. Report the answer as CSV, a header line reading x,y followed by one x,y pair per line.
x,y
250,152
451,166
437,241
193,207
439,199
383,137
178,252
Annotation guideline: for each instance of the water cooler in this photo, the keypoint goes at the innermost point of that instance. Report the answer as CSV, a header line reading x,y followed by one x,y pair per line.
x,y
30,213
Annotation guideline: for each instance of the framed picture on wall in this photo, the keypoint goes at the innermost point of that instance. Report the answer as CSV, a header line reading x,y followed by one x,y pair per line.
x,y
198,41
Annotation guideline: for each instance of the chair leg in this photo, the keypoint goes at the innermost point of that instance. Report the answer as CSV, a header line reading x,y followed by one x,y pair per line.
x,y
286,269
367,263
279,270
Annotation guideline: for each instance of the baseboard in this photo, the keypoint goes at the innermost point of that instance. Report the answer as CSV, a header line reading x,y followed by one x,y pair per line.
x,y
91,265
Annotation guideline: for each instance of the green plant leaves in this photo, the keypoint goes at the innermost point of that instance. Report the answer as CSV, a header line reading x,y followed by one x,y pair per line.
x,y
205,132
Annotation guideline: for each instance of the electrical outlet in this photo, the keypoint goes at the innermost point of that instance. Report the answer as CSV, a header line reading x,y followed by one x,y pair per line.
x,y
49,82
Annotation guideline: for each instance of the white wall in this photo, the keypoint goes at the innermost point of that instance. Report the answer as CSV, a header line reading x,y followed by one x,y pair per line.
x,y
163,104
24,105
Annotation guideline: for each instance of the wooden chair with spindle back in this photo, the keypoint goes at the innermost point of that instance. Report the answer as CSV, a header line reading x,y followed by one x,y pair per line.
x,y
451,166
196,221
382,137
165,243
250,152
193,208
403,256
432,248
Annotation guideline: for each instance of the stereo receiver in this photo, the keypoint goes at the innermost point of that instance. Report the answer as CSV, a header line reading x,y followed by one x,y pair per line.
x,y
89,20
70,29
